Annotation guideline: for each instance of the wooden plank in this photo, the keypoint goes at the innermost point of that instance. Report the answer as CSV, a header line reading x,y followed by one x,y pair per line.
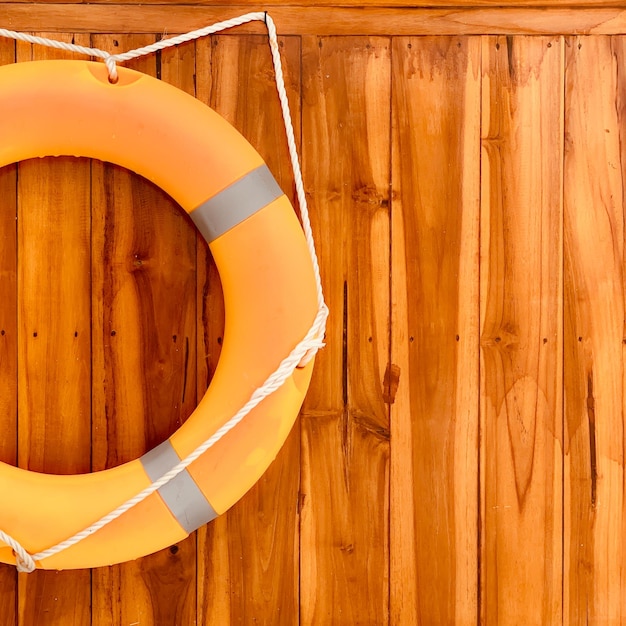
x,y
322,4
290,20
250,557
144,347
434,418
8,341
213,563
345,426
521,335
54,320
595,172
54,400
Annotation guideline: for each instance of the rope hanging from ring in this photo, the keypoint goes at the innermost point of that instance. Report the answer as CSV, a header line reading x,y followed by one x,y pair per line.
x,y
298,357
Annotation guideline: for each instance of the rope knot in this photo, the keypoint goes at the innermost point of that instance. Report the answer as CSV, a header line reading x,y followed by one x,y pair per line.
x,y
110,60
23,560
316,342
25,565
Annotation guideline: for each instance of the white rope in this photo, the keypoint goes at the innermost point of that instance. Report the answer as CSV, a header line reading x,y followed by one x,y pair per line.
x,y
298,357
25,562
319,326
111,60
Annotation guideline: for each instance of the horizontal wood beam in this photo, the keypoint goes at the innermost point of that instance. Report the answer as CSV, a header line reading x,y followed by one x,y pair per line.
x,y
431,4
302,20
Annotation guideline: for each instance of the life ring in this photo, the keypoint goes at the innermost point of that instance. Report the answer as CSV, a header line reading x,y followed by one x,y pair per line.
x,y
53,108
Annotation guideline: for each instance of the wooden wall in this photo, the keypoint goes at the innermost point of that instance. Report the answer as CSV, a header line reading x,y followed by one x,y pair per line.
x,y
460,455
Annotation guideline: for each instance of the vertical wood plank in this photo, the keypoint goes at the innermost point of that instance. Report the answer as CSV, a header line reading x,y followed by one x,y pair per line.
x,y
345,423
434,417
595,171
249,558
54,343
8,341
144,347
214,592
521,340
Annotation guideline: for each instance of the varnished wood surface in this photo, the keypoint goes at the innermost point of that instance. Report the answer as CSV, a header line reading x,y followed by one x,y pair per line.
x,y
460,454
386,20
54,346
595,547
345,433
252,555
434,414
464,4
521,330
8,340
144,311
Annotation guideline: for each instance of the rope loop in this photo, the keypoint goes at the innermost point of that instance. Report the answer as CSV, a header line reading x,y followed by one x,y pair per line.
x,y
110,62
24,561
298,357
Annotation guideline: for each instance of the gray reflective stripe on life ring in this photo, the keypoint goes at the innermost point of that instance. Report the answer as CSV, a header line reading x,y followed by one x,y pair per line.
x,y
237,202
181,495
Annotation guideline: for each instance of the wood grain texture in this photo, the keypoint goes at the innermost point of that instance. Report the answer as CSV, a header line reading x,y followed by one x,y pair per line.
x,y
521,334
214,588
54,343
595,171
144,299
345,427
423,486
8,340
251,558
332,20
434,460
253,5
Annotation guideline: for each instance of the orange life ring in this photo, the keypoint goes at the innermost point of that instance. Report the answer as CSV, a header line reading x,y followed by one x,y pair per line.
x,y
51,108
